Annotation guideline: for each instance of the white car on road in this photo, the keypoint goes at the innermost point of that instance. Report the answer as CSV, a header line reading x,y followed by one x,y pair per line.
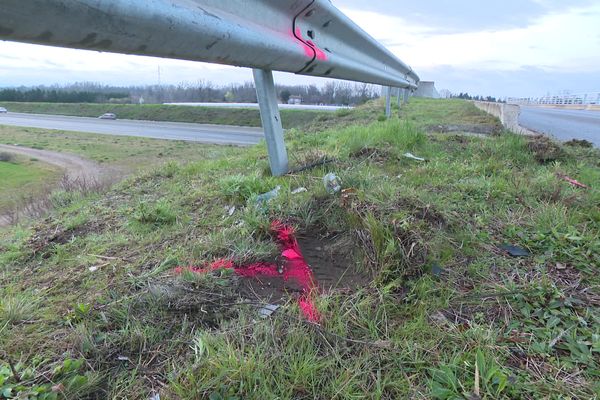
x,y
3,110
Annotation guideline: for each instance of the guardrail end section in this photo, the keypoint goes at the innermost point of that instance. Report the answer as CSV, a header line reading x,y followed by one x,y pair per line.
x,y
271,121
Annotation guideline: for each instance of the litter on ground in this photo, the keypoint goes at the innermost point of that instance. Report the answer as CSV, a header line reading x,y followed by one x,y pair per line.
x,y
300,190
268,310
413,157
572,181
515,251
332,183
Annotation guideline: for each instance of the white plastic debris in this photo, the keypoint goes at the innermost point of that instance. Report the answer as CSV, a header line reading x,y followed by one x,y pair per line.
x,y
413,157
268,310
300,190
266,197
332,183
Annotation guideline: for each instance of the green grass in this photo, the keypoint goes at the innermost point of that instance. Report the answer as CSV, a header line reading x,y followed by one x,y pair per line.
x,y
23,177
122,152
448,315
152,112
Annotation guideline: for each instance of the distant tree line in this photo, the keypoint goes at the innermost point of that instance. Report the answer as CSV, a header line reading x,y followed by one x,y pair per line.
x,y
333,92
466,96
45,95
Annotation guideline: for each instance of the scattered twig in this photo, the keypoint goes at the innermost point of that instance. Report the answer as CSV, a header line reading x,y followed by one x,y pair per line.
x,y
319,163
12,367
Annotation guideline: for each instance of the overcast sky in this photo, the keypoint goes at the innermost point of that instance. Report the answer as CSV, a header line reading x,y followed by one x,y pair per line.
x,y
508,48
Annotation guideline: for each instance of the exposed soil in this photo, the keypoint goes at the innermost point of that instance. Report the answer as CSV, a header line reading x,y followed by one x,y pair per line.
x,y
332,264
544,149
471,128
374,154
76,169
47,234
580,143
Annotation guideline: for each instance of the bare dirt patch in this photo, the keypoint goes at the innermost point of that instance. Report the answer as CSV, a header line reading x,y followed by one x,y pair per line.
x,y
79,174
544,149
331,261
373,154
480,129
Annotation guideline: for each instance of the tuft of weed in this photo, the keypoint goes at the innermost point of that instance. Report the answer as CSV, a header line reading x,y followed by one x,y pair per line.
x,y
158,214
17,308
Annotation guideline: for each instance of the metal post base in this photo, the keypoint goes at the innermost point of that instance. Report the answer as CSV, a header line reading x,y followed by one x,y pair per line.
x,y
271,121
388,101
406,95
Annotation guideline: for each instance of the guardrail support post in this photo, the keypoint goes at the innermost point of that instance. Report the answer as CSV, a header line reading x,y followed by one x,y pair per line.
x,y
406,94
271,121
388,101
399,98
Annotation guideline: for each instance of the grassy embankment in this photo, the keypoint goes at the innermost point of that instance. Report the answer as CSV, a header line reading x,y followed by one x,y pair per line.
x,y
21,176
121,152
153,112
90,303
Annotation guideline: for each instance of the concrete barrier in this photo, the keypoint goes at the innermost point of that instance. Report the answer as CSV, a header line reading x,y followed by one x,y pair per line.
x,y
508,114
427,90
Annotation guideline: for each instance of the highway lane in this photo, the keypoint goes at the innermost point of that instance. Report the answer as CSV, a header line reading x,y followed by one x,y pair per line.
x,y
215,134
563,124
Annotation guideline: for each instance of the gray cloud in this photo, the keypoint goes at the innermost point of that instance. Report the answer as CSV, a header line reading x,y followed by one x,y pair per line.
x,y
446,16
523,82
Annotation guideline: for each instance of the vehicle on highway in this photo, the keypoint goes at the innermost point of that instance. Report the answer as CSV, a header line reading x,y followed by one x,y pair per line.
x,y
108,116
3,110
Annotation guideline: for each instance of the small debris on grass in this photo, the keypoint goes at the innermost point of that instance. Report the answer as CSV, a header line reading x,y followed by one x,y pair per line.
x,y
299,190
437,270
58,388
515,251
123,358
347,196
332,183
230,210
154,396
413,157
266,197
268,310
572,181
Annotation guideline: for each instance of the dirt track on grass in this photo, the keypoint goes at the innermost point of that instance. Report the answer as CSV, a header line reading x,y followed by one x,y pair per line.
x,y
74,166
76,169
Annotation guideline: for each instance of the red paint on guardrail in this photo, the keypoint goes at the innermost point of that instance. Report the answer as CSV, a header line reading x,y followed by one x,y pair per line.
x,y
310,48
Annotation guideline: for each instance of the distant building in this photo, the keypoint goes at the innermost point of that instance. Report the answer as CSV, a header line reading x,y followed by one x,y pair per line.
x,y
297,100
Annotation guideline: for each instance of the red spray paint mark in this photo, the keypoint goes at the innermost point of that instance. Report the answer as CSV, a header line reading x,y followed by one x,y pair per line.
x,y
295,269
310,48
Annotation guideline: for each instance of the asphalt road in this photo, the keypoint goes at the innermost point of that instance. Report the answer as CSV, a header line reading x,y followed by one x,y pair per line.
x,y
215,134
563,124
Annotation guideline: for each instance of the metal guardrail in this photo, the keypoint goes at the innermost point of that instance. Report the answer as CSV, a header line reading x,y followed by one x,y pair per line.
x,y
307,37
590,98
